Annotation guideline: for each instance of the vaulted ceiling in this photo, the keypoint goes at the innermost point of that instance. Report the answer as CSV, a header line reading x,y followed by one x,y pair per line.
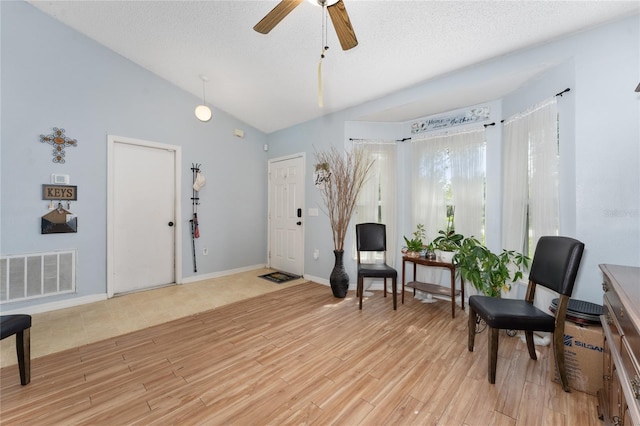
x,y
271,81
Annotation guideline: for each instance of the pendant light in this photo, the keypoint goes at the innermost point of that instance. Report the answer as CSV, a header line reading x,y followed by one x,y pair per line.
x,y
203,112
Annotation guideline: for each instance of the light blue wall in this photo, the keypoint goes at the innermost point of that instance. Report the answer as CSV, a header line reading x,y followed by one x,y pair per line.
x,y
600,140
54,77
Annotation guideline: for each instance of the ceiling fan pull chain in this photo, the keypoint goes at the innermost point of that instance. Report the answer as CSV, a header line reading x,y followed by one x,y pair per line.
x,y
324,49
320,82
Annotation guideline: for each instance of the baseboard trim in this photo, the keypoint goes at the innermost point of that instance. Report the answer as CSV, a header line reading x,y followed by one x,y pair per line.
x,y
54,306
219,274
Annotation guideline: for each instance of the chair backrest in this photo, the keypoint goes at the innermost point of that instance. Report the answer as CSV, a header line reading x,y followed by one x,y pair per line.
x,y
371,237
556,262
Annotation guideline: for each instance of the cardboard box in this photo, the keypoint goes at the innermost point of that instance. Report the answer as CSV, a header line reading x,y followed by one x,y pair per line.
x,y
583,353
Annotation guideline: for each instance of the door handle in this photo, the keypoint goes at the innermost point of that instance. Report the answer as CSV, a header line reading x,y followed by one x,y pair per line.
x,y
298,223
299,213
170,224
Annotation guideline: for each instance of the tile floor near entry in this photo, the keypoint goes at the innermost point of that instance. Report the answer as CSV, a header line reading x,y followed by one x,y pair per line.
x,y
71,327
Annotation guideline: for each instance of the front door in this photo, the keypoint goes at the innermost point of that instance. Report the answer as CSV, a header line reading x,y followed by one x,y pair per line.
x,y
143,221
286,208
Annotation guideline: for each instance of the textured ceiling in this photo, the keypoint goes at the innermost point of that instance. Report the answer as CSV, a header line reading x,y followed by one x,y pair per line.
x,y
271,81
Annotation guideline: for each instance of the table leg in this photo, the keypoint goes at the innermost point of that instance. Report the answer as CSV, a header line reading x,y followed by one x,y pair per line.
x,y
415,265
453,293
403,261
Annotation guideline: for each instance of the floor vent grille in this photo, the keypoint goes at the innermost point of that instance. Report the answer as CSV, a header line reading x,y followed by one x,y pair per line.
x,y
29,276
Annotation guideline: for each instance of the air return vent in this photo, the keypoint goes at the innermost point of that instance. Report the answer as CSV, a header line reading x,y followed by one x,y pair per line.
x,y
29,276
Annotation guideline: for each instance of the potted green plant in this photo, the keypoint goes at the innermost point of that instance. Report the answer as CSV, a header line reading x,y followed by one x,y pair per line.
x,y
448,242
415,245
490,273
430,254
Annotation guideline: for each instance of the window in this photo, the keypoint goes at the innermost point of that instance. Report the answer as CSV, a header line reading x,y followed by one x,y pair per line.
x,y
377,199
449,170
530,207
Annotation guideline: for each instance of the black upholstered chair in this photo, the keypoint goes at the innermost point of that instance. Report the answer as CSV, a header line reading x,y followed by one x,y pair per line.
x,y
373,237
555,266
20,325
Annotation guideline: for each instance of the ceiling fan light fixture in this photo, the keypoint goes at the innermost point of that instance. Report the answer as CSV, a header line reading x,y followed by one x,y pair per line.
x,y
203,112
323,2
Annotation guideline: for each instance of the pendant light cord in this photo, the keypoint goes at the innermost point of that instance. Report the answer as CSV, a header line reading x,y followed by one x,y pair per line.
x,y
203,81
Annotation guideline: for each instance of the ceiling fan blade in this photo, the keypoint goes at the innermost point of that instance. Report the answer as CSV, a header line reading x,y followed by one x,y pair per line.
x,y
342,24
276,15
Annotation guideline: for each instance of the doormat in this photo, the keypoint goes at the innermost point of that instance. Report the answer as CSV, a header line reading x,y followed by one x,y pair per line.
x,y
279,277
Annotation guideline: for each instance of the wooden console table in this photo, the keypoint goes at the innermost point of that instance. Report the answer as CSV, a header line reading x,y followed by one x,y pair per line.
x,y
433,288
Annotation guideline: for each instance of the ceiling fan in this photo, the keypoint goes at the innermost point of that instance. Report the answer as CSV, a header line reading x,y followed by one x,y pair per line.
x,y
337,12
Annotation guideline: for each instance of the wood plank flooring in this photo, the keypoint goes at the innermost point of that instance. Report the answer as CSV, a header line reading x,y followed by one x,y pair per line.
x,y
295,356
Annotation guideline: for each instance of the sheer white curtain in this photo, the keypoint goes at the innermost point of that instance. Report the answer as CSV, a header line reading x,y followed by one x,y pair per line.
x,y
467,161
456,159
377,199
429,183
515,183
530,177
544,212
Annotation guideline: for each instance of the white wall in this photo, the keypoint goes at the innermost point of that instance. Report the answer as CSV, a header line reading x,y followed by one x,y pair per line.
x,y
53,76
600,133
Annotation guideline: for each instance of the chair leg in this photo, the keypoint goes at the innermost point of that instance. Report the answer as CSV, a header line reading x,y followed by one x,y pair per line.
x,y
558,352
394,288
530,344
493,353
385,287
472,328
360,289
23,350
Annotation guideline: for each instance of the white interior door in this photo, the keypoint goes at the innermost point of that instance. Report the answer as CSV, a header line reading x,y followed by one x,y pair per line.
x,y
286,208
143,220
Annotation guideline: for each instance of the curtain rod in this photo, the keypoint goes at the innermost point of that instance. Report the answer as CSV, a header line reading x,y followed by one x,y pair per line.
x,y
367,140
557,94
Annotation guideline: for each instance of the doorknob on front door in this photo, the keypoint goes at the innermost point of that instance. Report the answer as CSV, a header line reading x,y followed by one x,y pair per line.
x,y
298,223
170,224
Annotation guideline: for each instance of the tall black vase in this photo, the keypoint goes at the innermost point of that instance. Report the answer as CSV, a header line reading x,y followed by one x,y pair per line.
x,y
339,279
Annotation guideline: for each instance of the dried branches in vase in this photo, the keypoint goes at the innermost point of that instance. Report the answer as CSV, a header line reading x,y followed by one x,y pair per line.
x,y
346,175
343,178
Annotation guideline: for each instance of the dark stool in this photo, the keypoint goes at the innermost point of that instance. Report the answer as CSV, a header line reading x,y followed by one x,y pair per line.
x,y
20,325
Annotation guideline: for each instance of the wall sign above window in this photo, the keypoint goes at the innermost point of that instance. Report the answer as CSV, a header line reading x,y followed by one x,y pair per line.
x,y
59,141
455,119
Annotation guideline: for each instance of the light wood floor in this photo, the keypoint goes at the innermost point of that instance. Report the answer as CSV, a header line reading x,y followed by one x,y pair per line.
x,y
295,356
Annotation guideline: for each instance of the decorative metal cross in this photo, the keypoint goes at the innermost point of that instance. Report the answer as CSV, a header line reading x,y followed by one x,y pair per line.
x,y
59,141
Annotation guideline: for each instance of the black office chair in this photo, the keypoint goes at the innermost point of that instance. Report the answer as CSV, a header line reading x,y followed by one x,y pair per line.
x,y
555,266
20,325
373,237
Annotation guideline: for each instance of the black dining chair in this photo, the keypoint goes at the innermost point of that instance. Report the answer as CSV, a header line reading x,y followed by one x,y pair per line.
x,y
20,325
555,266
372,237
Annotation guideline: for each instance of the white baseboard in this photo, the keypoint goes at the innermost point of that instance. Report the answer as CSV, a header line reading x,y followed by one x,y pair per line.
x,y
54,306
219,274
322,281
376,285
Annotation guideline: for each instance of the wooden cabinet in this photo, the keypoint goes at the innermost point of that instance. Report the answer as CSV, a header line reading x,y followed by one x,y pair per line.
x,y
619,397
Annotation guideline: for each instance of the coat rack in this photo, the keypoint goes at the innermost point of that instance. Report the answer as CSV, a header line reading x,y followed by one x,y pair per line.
x,y
198,183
